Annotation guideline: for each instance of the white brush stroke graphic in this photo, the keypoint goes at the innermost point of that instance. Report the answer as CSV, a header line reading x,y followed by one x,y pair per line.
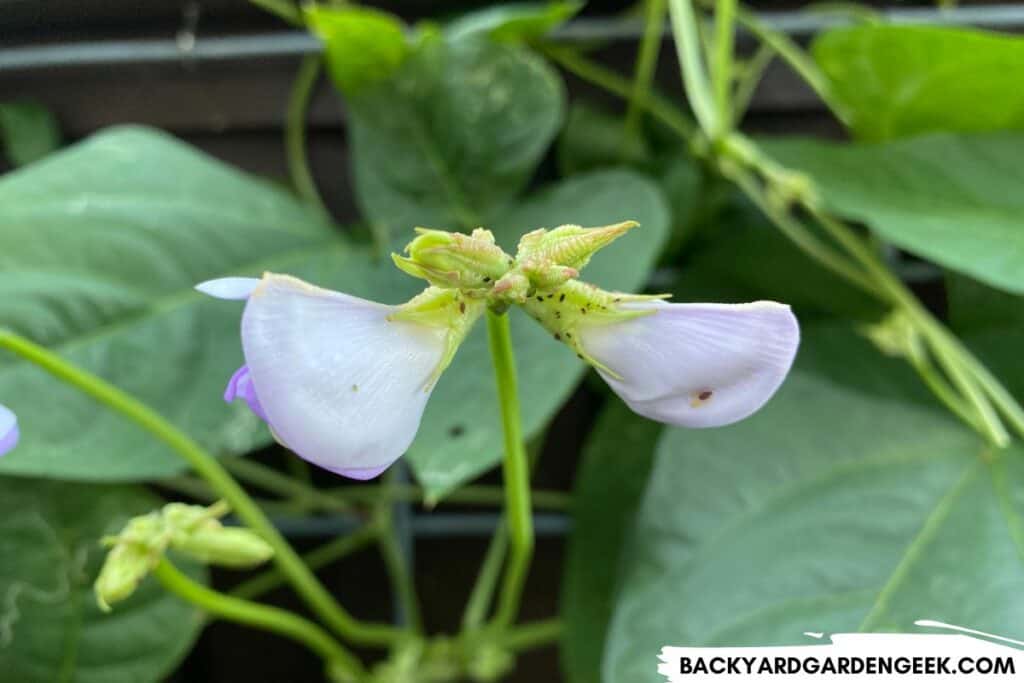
x,y
968,656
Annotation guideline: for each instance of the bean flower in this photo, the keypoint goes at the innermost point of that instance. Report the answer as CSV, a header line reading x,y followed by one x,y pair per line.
x,y
343,381
8,430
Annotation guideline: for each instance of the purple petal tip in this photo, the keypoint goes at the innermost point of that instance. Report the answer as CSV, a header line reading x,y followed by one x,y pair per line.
x,y
9,432
360,473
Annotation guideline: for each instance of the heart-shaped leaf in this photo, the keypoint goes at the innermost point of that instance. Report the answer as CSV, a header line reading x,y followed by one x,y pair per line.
x,y
850,503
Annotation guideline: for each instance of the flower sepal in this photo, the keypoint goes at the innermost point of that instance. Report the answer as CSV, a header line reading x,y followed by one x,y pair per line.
x,y
451,311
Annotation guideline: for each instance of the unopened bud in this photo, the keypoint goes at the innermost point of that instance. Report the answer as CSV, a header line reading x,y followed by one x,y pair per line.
x,y
454,260
513,287
127,564
568,245
214,543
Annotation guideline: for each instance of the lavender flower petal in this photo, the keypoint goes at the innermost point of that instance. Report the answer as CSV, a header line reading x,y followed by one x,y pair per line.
x,y
240,386
696,365
231,288
8,430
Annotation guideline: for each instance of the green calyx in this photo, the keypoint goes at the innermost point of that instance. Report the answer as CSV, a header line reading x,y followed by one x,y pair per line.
x,y
190,529
467,273
565,310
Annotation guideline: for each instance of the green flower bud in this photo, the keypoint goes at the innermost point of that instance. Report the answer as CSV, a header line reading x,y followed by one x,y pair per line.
x,y
570,246
125,567
455,260
214,543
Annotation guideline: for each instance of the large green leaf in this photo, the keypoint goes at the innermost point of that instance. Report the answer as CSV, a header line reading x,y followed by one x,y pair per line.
x,y
50,626
609,485
453,136
852,502
953,199
895,81
100,246
28,131
461,432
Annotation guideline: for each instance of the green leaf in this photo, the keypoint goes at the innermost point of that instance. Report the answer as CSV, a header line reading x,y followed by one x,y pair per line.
x,y
100,246
851,502
897,81
617,460
453,137
51,629
363,46
513,22
460,436
28,131
952,199
749,259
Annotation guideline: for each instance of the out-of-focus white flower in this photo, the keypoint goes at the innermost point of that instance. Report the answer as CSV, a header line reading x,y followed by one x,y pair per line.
x,y
340,380
8,430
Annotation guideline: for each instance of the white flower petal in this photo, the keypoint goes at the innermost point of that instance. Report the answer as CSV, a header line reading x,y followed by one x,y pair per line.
x,y
232,288
8,430
341,385
696,365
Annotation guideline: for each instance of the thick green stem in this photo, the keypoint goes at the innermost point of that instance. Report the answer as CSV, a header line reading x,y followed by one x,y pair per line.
x,y
646,62
515,468
259,616
206,466
295,132
695,79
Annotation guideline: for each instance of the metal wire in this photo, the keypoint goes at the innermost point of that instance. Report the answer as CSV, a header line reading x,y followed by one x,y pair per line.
x,y
297,43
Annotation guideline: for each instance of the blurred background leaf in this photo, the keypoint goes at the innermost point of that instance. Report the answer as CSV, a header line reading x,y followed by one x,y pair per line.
x,y
28,131
51,629
609,485
363,46
100,246
896,81
513,21
953,199
852,502
453,137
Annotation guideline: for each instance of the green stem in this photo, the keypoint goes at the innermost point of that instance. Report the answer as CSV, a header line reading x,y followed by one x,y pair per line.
x,y
316,559
592,72
486,581
646,63
722,67
687,40
751,78
253,614
795,56
515,468
536,634
402,584
206,466
272,481
295,132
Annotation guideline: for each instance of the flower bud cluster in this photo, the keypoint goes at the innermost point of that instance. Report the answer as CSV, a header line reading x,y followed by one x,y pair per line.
x,y
193,530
